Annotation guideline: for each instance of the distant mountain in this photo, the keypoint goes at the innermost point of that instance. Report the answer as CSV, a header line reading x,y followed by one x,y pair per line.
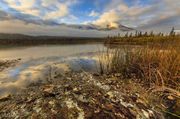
x,y
99,28
125,28
21,39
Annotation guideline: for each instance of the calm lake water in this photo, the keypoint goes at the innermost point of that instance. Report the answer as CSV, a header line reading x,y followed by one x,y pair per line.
x,y
40,61
34,52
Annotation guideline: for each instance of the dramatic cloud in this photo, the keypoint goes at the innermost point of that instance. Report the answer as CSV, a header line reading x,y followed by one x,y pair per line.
x,y
23,6
108,18
82,17
144,14
17,26
41,9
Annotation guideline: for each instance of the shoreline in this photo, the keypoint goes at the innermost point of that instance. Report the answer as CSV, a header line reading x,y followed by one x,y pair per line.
x,y
4,64
78,96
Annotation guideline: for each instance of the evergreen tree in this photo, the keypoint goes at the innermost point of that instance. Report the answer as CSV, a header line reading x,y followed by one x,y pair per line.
x,y
119,35
151,33
130,35
126,35
145,34
172,33
159,34
136,34
140,34
162,34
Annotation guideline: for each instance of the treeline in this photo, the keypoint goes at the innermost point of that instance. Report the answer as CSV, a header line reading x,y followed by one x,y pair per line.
x,y
19,39
143,37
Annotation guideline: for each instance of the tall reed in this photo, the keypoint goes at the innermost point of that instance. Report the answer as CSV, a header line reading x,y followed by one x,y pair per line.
x,y
154,66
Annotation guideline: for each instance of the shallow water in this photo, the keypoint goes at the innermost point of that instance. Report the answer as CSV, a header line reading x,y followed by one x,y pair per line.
x,y
42,51
39,62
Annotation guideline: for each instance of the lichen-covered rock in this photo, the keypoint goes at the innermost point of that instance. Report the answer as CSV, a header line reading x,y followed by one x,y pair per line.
x,y
77,96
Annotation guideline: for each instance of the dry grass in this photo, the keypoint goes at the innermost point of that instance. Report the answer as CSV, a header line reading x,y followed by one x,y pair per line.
x,y
154,66
141,40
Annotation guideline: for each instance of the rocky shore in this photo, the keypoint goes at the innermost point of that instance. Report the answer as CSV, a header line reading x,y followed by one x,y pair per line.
x,y
8,63
78,96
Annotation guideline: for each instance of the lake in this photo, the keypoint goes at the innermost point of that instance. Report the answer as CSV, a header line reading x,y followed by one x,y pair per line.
x,y
34,52
38,61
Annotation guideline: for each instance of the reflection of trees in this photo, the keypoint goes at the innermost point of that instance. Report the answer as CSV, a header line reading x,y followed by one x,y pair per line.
x,y
17,39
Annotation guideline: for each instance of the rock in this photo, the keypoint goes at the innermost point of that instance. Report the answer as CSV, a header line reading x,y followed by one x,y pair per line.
x,y
140,103
97,110
133,112
109,107
117,75
169,102
170,97
151,114
48,88
5,98
54,111
110,94
75,89
125,104
34,116
48,91
37,109
51,102
119,115
78,96
146,114
96,74
134,98
82,99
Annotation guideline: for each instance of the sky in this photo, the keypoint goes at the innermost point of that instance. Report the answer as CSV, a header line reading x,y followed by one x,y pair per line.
x,y
58,17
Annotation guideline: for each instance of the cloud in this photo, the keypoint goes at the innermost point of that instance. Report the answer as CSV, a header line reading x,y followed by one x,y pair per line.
x,y
163,23
110,18
25,19
56,9
4,15
144,14
93,14
57,30
42,9
24,6
62,10
123,8
42,12
61,14
47,3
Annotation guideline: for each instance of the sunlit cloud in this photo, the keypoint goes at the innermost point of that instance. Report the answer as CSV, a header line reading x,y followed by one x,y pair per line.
x,y
108,18
80,15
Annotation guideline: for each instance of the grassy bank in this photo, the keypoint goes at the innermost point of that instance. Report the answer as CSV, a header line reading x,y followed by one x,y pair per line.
x,y
142,38
156,67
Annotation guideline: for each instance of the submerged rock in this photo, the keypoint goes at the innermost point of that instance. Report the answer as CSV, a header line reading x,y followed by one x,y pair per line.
x,y
76,96
5,98
8,63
